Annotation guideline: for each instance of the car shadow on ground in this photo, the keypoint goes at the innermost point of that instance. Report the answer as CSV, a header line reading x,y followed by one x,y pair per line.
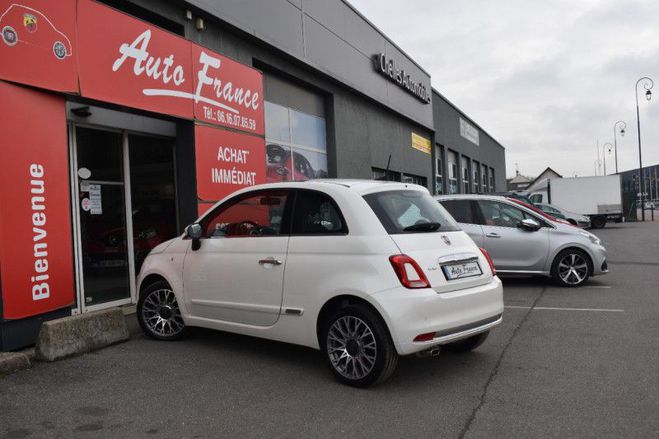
x,y
412,374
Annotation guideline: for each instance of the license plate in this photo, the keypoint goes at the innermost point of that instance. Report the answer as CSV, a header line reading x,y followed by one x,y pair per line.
x,y
461,270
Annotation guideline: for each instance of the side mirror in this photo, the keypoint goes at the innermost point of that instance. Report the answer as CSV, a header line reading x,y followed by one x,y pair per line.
x,y
194,231
529,224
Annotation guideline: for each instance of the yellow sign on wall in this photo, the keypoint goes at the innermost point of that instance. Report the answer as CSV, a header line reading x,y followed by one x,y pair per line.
x,y
421,143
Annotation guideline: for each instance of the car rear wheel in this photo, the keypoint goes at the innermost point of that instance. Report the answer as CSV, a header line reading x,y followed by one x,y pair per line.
x,y
158,312
467,344
571,268
358,347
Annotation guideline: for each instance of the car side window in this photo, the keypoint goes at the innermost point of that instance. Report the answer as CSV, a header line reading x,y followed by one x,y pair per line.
x,y
501,214
460,210
316,213
249,215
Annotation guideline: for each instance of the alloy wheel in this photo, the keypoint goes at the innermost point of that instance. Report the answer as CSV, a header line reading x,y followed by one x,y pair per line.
x,y
573,268
160,312
351,347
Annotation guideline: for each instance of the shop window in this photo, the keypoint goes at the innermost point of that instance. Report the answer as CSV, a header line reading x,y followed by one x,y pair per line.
x,y
414,179
385,175
250,216
439,169
296,148
491,180
476,178
316,214
484,179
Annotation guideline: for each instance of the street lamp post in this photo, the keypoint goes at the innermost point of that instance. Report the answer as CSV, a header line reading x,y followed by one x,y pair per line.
x,y
647,85
623,126
604,151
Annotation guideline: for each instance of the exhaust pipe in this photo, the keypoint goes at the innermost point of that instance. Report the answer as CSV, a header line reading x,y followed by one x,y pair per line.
x,y
432,352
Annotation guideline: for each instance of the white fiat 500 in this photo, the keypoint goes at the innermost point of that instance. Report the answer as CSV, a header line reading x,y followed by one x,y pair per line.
x,y
365,271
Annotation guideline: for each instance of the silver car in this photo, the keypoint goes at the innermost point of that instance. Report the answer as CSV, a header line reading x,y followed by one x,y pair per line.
x,y
522,239
573,218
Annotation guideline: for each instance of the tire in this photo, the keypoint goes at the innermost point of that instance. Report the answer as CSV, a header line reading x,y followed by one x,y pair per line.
x,y
358,347
467,344
571,268
158,313
598,222
9,36
59,50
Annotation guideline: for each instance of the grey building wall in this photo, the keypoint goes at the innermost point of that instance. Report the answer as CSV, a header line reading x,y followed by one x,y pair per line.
x,y
361,132
447,134
333,38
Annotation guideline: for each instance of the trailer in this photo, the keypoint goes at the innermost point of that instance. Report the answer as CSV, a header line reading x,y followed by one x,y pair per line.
x,y
599,198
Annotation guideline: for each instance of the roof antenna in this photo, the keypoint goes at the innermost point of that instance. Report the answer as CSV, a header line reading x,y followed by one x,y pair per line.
x,y
386,171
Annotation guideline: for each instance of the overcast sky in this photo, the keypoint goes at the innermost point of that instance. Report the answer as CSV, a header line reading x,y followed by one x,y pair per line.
x,y
546,78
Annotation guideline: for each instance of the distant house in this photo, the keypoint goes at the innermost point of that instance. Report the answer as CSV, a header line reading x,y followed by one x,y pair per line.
x,y
541,180
518,183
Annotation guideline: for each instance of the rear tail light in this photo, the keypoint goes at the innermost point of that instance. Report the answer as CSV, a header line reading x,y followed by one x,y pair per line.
x,y
489,261
408,271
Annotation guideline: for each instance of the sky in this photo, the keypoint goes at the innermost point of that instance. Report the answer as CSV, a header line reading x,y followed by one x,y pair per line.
x,y
548,79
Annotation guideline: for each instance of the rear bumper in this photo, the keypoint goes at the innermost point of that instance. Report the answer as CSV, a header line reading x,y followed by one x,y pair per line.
x,y
451,316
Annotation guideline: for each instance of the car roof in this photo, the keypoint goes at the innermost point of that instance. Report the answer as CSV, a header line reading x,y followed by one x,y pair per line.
x,y
470,197
362,187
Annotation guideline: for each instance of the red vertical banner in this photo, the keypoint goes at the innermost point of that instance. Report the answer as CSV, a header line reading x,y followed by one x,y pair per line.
x,y
36,258
38,43
226,161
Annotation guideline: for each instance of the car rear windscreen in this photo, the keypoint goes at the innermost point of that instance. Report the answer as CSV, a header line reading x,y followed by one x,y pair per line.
x,y
406,211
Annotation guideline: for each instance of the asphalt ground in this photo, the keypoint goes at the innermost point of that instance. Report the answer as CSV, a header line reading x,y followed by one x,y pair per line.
x,y
564,363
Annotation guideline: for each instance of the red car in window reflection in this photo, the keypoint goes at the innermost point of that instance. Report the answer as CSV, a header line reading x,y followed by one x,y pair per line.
x,y
24,25
281,168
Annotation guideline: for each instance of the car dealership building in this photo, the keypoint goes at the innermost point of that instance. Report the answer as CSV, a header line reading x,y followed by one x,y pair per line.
x,y
125,119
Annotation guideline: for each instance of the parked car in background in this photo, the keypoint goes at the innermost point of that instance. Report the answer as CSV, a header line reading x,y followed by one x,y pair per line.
x,y
522,241
573,218
365,271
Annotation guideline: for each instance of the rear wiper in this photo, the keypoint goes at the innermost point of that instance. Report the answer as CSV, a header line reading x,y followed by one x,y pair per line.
x,y
423,227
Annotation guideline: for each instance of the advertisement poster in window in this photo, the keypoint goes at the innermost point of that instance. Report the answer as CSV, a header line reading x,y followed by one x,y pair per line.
x,y
226,161
38,37
36,258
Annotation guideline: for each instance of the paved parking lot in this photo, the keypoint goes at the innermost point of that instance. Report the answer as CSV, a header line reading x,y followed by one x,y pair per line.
x,y
566,363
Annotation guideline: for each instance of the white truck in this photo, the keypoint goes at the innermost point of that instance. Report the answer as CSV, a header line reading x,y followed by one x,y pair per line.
x,y
599,198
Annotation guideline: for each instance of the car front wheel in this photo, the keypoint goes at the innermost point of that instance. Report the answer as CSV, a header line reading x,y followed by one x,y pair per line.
x,y
158,312
571,268
358,347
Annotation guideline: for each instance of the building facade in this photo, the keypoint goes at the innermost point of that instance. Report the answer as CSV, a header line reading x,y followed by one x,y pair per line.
x,y
466,159
129,118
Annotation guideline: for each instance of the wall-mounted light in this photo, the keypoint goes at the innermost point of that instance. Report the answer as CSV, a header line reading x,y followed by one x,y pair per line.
x,y
81,111
188,14
199,23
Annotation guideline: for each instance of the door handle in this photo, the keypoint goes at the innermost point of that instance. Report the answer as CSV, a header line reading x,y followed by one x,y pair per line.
x,y
271,261
493,235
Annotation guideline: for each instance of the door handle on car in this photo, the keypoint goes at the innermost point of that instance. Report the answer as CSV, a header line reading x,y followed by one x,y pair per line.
x,y
271,261
493,235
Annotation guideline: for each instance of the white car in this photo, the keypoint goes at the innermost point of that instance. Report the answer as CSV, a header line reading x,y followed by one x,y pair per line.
x,y
363,270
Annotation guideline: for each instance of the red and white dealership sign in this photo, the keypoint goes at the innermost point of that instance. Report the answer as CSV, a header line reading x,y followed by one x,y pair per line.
x,y
38,44
227,93
130,62
227,161
36,259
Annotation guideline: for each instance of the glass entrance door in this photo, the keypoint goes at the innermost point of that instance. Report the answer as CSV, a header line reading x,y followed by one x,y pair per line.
x,y
105,251
126,205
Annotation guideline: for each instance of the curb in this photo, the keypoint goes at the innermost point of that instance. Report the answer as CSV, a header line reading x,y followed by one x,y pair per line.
x,y
81,333
11,362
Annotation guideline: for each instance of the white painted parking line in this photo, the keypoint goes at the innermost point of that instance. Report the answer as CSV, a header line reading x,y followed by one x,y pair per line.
x,y
598,286
548,308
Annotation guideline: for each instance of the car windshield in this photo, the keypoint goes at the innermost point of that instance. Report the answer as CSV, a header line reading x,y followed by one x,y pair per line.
x,y
407,211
